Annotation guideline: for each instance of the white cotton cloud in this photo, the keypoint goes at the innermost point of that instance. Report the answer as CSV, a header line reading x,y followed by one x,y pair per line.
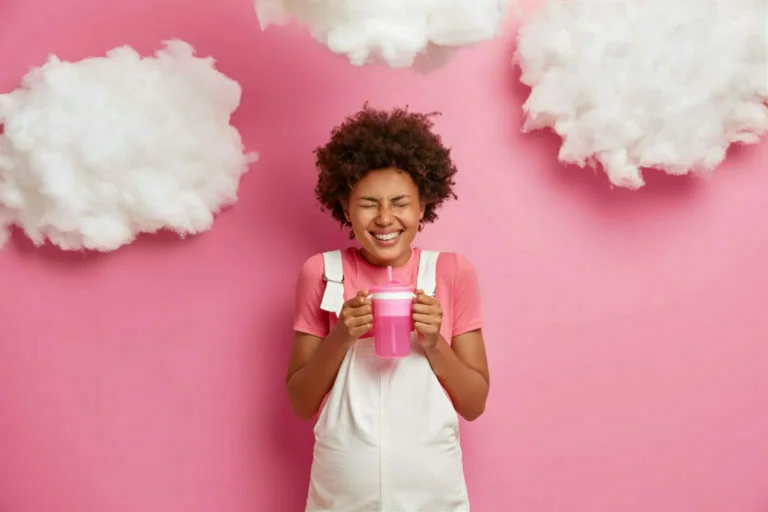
x,y
97,151
632,84
423,34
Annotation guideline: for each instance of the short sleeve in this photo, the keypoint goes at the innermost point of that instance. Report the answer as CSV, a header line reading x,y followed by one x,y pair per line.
x,y
308,317
467,305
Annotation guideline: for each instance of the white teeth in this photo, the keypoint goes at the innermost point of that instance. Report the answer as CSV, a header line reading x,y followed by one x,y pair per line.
x,y
387,237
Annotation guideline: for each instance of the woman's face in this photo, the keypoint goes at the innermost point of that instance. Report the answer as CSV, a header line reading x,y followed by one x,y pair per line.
x,y
385,210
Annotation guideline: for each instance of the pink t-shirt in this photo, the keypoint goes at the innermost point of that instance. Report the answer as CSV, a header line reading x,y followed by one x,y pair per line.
x,y
458,290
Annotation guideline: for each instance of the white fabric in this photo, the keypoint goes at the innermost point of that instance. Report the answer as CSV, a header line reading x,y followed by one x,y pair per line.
x,y
387,439
427,276
333,298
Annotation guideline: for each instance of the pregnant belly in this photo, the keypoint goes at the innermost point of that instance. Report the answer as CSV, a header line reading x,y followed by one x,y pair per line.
x,y
406,479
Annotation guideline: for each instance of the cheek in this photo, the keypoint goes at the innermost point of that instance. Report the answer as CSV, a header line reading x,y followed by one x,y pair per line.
x,y
361,218
411,218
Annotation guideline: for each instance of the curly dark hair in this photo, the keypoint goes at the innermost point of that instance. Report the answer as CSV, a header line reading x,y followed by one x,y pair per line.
x,y
375,139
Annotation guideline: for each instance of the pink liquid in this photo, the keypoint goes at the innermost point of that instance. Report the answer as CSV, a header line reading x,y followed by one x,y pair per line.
x,y
392,336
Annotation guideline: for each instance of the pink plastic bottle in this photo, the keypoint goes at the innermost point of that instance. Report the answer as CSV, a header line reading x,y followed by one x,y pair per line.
x,y
392,323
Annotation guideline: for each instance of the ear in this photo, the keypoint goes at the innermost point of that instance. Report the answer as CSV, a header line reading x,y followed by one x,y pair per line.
x,y
345,208
422,209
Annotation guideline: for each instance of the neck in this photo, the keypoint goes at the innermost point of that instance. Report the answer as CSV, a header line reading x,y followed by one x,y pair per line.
x,y
400,261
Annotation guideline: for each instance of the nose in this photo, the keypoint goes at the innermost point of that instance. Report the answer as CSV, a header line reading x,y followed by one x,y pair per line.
x,y
384,217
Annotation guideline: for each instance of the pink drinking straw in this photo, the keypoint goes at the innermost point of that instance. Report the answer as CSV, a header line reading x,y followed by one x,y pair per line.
x,y
389,273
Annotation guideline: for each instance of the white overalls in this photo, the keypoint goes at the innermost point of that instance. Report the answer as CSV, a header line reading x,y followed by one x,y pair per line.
x,y
387,439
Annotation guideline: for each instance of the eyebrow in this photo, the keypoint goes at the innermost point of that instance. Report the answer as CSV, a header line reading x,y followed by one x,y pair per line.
x,y
375,200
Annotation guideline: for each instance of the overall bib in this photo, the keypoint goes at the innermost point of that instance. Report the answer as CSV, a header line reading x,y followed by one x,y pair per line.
x,y
387,439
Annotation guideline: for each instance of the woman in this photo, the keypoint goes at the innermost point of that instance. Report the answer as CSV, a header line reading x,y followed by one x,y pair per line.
x,y
387,438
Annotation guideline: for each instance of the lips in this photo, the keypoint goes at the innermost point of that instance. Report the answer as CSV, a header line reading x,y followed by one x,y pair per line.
x,y
387,238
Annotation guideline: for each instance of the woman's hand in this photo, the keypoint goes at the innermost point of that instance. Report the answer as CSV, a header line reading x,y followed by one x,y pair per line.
x,y
355,319
427,319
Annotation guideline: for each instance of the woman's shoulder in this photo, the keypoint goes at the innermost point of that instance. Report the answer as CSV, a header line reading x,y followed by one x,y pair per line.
x,y
314,265
452,259
454,266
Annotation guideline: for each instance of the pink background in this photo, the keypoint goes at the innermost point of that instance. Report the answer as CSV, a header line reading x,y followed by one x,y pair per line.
x,y
625,330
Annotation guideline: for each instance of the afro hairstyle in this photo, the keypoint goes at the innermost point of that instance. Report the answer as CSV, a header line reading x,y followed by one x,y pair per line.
x,y
373,139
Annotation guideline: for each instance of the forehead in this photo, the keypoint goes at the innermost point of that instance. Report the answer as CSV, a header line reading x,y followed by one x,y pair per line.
x,y
385,182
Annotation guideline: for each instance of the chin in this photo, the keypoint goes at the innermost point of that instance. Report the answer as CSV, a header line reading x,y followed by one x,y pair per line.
x,y
389,249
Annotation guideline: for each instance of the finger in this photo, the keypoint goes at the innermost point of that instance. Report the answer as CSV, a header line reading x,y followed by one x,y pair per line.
x,y
361,299
358,332
363,324
423,298
424,328
365,309
360,321
358,300
427,309
425,319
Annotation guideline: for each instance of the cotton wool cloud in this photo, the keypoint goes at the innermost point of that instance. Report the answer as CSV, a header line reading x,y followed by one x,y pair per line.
x,y
420,34
97,151
631,85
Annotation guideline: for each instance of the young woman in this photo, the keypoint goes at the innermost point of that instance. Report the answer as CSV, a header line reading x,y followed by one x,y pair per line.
x,y
387,438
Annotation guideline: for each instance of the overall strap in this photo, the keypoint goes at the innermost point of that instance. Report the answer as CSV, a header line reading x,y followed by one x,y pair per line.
x,y
427,277
333,275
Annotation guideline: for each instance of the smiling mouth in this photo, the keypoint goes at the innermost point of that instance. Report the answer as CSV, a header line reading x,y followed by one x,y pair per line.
x,y
387,237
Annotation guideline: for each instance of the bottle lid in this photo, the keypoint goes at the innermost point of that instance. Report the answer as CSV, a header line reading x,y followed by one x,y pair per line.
x,y
393,289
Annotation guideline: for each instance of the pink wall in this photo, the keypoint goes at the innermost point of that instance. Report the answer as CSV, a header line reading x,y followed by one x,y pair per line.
x,y
626,330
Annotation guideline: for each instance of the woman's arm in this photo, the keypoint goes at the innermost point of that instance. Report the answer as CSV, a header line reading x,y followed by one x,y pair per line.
x,y
315,362
312,369
462,369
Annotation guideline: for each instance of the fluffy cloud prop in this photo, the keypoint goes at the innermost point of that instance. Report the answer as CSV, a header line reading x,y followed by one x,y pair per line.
x,y
423,34
97,151
631,84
